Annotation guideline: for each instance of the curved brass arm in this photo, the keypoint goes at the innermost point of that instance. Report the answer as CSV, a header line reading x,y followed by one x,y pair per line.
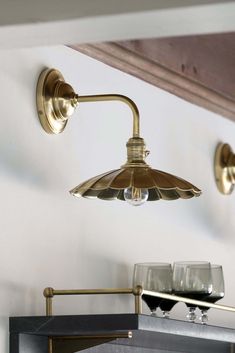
x,y
115,97
57,101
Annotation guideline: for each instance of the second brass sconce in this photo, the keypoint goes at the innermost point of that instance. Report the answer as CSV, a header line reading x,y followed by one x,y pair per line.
x,y
135,182
224,167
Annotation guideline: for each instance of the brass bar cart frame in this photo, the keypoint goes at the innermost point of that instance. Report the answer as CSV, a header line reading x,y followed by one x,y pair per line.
x,y
138,291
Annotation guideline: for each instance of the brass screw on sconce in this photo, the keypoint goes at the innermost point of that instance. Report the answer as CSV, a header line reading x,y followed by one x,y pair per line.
x,y
224,167
135,181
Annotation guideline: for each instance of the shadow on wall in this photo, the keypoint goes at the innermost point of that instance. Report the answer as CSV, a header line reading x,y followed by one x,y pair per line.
x,y
112,273
18,299
16,166
22,157
4,329
14,298
104,272
94,272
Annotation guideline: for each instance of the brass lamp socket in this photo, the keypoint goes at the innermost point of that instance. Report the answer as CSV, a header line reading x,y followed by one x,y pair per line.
x,y
136,152
224,167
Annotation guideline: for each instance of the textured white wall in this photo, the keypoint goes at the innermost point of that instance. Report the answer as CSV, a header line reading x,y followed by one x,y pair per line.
x,y
51,22
49,238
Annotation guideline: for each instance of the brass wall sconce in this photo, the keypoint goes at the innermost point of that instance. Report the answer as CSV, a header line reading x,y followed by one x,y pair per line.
x,y
224,167
135,182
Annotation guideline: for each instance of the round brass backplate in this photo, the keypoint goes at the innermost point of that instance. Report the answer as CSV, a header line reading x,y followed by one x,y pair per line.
x,y
46,85
222,177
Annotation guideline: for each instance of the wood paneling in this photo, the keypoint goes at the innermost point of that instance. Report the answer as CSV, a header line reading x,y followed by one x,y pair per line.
x,y
199,69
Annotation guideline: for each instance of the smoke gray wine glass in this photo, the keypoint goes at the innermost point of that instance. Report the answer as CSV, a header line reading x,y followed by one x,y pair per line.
x,y
153,277
192,279
217,292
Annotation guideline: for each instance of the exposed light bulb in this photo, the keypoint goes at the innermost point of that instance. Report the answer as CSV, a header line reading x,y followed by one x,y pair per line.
x,y
136,196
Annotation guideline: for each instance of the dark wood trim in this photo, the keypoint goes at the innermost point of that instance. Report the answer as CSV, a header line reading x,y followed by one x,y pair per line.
x,y
140,61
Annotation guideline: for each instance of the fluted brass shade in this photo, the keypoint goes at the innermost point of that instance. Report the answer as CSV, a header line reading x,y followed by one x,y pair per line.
x,y
138,175
160,185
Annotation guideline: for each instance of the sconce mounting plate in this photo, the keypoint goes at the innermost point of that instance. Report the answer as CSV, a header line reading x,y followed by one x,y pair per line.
x,y
223,168
52,106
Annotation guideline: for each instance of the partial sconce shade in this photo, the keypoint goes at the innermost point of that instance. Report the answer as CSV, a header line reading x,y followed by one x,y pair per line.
x,y
135,182
224,167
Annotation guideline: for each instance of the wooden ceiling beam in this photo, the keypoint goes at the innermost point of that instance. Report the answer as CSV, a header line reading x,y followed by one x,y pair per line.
x,y
199,69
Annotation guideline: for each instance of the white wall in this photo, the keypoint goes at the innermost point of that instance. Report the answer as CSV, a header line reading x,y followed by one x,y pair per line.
x,y
51,22
49,238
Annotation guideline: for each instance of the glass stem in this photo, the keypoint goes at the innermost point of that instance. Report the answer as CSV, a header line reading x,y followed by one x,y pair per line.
x,y
166,314
204,316
191,315
154,312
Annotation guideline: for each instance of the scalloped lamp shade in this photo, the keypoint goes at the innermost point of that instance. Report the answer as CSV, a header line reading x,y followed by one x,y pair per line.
x,y
160,185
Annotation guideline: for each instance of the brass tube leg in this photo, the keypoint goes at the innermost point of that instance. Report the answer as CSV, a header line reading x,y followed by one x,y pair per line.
x,y
138,304
49,306
50,348
138,291
48,294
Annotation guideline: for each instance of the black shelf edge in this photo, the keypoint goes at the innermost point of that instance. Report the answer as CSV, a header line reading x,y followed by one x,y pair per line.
x,y
111,323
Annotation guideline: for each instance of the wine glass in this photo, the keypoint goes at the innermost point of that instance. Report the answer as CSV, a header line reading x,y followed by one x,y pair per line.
x,y
153,277
217,290
167,304
192,280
